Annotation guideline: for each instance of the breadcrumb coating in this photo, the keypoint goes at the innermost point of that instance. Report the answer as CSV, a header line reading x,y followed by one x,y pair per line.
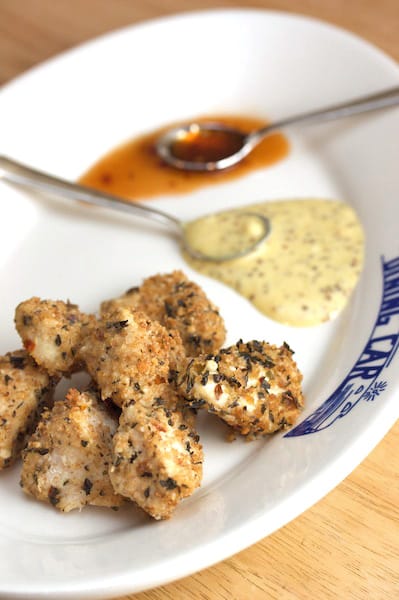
x,y
177,303
157,455
254,387
24,391
52,332
155,357
67,460
127,352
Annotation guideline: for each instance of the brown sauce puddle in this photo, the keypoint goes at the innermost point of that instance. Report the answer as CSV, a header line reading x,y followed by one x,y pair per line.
x,y
134,171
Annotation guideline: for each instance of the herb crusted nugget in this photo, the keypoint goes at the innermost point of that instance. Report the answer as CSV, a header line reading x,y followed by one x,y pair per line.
x,y
178,304
254,387
67,459
157,454
128,352
157,458
52,332
25,390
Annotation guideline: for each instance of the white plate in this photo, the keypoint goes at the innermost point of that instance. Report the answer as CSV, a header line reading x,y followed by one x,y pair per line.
x,y
61,117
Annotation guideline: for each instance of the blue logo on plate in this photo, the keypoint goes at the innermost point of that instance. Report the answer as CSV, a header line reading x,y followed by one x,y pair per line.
x,y
365,380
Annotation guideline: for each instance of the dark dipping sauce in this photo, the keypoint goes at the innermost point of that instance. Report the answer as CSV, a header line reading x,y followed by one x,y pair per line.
x,y
134,170
206,146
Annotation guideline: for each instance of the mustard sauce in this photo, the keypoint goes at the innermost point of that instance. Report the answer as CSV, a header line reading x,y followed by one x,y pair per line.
x,y
221,235
305,271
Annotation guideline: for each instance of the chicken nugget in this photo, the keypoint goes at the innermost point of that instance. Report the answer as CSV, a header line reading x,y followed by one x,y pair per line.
x,y
52,332
67,459
177,303
127,352
254,387
157,457
25,389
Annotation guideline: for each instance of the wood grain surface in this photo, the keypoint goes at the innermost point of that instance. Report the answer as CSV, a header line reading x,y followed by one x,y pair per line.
x,y
347,545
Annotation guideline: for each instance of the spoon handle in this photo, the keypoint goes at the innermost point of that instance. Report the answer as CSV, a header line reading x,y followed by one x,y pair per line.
x,y
344,109
19,174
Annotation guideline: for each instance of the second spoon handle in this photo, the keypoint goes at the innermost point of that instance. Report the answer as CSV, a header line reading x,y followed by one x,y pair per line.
x,y
344,109
19,174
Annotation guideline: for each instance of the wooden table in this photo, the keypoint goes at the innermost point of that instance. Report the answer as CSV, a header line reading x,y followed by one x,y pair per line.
x,y
346,546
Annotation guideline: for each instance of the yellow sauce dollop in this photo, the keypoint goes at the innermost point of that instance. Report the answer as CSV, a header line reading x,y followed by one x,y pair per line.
x,y
305,271
221,235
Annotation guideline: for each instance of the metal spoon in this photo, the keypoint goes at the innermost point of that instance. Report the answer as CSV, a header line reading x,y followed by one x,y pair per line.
x,y
14,172
232,145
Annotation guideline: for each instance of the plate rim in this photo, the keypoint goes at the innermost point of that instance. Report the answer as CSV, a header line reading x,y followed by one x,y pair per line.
x,y
385,421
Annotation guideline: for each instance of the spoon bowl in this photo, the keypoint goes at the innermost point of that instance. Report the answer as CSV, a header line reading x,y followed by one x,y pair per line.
x,y
224,236
203,146
215,147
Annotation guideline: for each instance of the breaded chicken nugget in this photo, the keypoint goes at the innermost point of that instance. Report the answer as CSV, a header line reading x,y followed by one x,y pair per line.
x,y
157,459
67,459
127,352
157,455
178,303
52,332
254,387
24,391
